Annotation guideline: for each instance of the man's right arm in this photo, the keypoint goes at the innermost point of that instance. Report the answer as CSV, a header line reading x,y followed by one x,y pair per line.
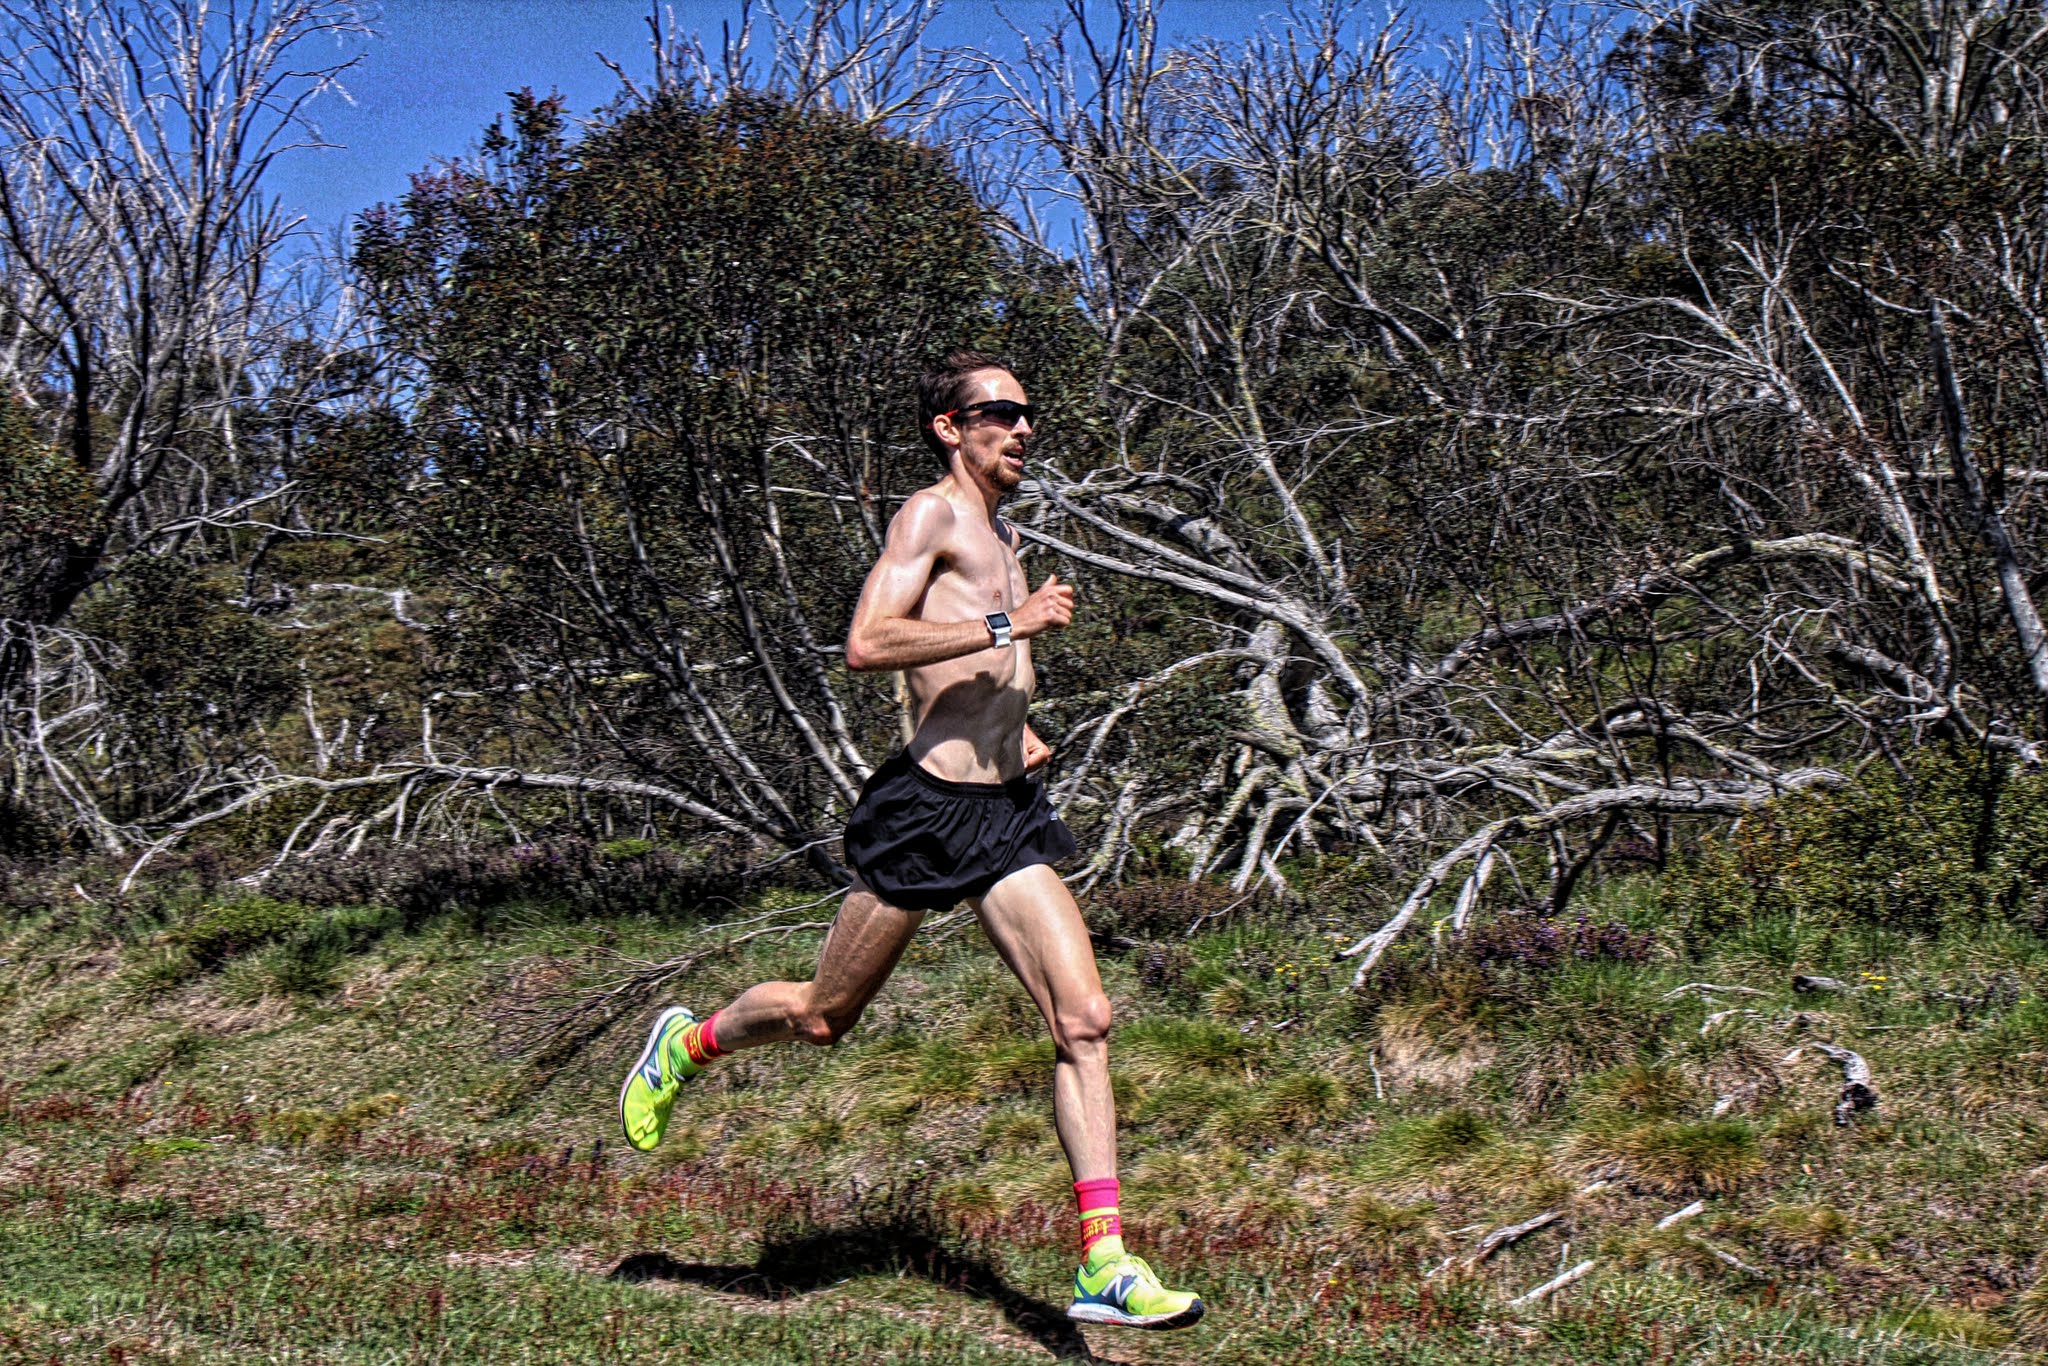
x,y
885,636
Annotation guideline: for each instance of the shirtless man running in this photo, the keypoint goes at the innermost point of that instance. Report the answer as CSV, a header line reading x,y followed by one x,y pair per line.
x,y
959,815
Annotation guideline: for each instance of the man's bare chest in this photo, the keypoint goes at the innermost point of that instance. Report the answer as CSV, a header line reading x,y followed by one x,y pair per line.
x,y
980,572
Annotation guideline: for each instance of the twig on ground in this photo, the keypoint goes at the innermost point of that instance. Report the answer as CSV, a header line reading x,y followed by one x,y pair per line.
x,y
1711,989
552,1030
1679,1216
1728,1258
1723,1104
1554,1284
1511,1233
1721,1015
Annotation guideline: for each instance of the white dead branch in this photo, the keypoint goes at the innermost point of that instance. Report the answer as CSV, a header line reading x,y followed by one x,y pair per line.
x,y
1711,989
1553,1285
1859,1090
1723,798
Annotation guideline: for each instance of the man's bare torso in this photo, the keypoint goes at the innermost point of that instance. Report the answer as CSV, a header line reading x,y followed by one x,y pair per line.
x,y
970,711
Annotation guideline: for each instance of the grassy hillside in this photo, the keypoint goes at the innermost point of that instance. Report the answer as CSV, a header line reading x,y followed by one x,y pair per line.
x,y
241,1131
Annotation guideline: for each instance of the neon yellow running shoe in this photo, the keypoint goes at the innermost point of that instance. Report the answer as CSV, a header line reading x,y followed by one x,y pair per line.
x,y
1124,1291
649,1092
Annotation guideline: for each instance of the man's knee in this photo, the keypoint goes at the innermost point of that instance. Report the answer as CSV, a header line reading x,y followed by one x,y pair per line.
x,y
825,1023
1082,1025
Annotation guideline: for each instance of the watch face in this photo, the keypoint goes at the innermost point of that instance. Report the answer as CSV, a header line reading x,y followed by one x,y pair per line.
x,y
998,621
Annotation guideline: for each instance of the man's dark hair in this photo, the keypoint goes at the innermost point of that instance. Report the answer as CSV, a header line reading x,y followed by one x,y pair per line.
x,y
943,387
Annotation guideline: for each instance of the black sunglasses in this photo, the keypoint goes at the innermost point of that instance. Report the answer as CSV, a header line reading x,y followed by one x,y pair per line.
x,y
1003,410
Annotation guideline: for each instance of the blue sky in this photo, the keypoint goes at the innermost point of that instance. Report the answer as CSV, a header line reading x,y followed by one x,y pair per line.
x,y
441,69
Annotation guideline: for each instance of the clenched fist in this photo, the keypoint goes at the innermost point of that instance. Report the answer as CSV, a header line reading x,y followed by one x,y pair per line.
x,y
1036,751
1050,608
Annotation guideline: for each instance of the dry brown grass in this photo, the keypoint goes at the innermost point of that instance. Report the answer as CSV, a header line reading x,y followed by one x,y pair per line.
x,y
1425,1044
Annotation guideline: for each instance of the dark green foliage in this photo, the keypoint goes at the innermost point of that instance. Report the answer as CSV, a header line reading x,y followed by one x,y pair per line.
x,y
578,877
1536,942
625,341
308,962
221,930
26,833
194,676
1428,1141
1957,839
1708,1156
42,493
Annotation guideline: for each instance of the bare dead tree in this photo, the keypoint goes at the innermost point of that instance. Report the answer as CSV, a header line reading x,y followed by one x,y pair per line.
x,y
870,59
1294,194
146,297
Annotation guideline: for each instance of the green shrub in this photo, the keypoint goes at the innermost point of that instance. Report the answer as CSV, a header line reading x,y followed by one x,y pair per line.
x,y
1183,1104
1803,1235
331,1128
1958,838
223,929
1382,1230
199,674
308,962
1175,1044
1947,1323
1638,1090
1016,1130
1018,1067
2031,1311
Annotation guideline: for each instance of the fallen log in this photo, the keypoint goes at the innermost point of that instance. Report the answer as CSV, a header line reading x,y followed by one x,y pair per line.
x,y
1859,1091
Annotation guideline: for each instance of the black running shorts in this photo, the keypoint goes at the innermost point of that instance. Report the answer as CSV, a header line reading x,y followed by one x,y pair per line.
x,y
922,843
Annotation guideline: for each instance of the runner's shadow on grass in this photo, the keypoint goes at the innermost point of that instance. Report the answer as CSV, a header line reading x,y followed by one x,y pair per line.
x,y
799,1265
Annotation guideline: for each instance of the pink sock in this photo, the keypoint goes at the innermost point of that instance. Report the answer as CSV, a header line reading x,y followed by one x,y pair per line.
x,y
1099,1218
700,1040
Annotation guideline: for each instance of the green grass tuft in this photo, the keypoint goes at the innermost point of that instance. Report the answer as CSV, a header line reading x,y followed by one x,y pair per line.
x,y
1712,1156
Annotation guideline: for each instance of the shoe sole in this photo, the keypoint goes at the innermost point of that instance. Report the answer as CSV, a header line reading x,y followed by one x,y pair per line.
x,y
653,1038
1103,1314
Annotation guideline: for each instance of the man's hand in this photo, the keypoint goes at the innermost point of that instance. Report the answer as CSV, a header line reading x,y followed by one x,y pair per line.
x,y
1036,751
1050,608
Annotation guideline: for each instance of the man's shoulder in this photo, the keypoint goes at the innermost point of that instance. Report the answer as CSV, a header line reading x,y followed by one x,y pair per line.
x,y
928,508
926,517
929,501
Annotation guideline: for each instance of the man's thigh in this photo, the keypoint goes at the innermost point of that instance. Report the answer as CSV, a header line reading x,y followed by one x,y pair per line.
x,y
1032,919
862,948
